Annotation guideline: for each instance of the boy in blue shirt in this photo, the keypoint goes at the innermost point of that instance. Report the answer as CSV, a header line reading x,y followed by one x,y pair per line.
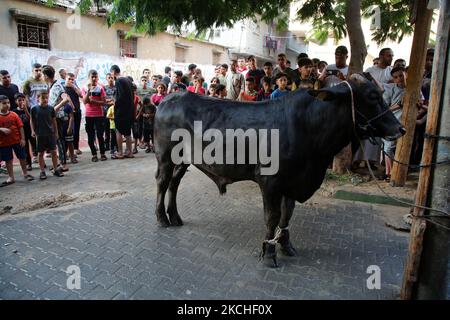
x,y
282,81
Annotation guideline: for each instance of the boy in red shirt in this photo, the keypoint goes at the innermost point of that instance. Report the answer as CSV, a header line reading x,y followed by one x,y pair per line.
x,y
250,94
12,137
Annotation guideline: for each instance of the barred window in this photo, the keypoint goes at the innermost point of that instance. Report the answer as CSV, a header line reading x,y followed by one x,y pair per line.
x,y
33,34
128,47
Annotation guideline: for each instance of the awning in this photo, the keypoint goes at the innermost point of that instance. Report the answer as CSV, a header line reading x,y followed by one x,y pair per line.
x,y
20,14
182,45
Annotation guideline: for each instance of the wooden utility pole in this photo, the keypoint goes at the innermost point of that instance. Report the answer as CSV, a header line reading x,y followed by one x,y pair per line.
x,y
426,263
412,94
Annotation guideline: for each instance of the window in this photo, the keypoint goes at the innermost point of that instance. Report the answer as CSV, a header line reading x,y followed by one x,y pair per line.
x,y
216,58
128,47
180,54
33,34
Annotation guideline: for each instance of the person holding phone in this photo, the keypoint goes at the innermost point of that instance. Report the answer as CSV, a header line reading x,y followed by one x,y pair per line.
x,y
334,74
94,98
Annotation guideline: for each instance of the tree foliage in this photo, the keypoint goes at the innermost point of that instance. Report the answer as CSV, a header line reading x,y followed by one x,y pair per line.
x,y
327,16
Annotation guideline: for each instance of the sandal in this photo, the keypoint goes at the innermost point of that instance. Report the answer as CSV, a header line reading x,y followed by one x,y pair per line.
x,y
103,158
129,155
28,177
94,159
74,160
135,151
148,150
42,176
6,183
116,157
58,173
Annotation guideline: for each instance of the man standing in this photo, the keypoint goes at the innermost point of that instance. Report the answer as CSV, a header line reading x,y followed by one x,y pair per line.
x,y
167,74
187,77
283,68
235,81
334,74
382,71
34,85
253,72
123,112
8,89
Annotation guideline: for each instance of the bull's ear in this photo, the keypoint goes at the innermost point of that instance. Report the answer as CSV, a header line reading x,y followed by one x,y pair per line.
x,y
332,93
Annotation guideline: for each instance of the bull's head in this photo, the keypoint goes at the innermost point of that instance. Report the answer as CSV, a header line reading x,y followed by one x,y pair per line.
x,y
372,115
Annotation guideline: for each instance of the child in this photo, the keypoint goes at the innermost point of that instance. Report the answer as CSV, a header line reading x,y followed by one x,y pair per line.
x,y
282,81
266,91
67,131
75,94
174,88
304,80
160,94
197,86
137,113
221,91
45,130
250,94
212,90
148,113
112,127
393,96
12,137
24,115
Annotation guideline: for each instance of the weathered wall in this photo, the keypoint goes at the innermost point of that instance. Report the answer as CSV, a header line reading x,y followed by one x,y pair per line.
x,y
87,43
19,61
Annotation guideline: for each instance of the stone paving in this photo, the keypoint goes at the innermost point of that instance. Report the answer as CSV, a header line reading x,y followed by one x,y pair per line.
x,y
122,254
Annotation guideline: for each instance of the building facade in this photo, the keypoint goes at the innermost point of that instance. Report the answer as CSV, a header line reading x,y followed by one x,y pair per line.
x,y
33,32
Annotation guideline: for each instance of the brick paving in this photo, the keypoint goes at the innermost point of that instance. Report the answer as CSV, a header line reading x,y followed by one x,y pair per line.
x,y
122,254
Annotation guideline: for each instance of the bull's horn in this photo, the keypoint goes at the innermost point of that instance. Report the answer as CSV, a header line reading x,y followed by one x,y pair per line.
x,y
358,78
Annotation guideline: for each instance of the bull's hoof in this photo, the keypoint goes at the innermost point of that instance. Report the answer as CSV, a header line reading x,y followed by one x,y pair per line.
x,y
163,222
176,221
269,255
286,246
288,250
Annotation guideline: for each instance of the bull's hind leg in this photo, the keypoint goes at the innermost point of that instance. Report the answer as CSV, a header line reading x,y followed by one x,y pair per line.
x,y
272,214
172,211
163,176
287,208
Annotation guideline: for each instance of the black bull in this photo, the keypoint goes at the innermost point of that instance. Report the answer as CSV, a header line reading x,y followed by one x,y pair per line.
x,y
313,127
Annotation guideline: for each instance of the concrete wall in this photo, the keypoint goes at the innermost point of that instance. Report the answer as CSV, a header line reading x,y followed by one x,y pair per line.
x,y
80,43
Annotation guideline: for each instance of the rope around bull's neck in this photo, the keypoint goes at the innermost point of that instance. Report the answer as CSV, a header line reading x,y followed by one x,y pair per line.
x,y
444,213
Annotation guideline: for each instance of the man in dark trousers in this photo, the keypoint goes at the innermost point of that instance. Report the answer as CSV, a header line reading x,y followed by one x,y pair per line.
x,y
123,113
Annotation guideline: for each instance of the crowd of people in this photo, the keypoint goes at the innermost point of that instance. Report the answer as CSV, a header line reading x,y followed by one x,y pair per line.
x,y
44,120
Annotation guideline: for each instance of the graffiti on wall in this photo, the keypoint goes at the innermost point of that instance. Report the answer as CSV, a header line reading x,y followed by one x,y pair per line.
x,y
19,61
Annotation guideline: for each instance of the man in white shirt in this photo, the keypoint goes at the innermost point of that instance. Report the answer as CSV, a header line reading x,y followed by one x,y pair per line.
x,y
382,71
334,74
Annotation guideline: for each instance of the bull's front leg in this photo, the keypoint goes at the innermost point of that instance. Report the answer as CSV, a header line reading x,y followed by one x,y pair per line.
x,y
287,208
272,214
